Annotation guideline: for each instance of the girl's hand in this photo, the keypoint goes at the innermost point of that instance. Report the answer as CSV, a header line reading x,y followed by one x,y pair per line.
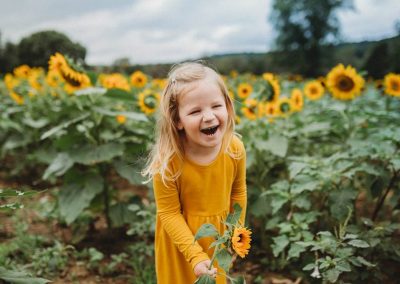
x,y
202,268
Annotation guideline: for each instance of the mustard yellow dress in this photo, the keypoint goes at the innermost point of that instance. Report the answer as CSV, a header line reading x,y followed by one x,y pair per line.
x,y
201,194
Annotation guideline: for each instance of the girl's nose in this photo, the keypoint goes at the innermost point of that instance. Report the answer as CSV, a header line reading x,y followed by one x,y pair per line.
x,y
208,115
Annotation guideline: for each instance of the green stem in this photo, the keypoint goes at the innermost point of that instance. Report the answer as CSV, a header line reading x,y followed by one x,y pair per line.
x,y
106,197
213,257
383,197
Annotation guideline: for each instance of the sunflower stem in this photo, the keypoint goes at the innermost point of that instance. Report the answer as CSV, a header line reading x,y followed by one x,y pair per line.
x,y
383,197
213,257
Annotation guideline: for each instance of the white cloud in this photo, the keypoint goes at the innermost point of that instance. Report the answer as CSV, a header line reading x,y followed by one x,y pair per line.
x,y
173,30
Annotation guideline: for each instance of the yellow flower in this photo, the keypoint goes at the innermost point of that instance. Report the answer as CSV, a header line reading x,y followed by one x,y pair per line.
x,y
284,106
22,71
35,78
138,79
271,109
148,101
17,98
244,90
241,241
296,99
250,109
159,83
314,90
233,73
344,83
121,119
392,84
10,81
53,78
114,80
73,79
57,62
237,119
273,90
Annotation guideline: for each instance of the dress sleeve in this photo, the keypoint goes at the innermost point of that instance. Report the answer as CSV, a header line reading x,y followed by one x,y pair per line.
x,y
173,222
239,188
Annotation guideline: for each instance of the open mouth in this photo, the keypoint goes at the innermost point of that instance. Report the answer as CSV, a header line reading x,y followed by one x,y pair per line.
x,y
210,130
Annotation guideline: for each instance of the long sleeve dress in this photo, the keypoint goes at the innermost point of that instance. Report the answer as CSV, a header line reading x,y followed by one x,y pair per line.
x,y
201,194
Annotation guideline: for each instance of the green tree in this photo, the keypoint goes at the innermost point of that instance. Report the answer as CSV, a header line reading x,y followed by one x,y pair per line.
x,y
36,49
302,28
8,57
378,63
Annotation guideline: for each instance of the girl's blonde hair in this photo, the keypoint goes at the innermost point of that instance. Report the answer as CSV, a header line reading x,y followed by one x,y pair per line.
x,y
168,139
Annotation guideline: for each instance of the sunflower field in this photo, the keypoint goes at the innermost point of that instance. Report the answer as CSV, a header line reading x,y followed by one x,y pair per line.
x,y
323,172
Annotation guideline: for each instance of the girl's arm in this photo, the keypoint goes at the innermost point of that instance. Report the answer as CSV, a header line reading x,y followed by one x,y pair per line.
x,y
172,221
239,188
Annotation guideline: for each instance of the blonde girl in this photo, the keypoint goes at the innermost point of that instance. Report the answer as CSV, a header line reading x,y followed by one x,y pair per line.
x,y
198,167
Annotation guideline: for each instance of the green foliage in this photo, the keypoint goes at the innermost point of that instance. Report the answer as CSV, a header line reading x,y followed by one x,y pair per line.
x,y
339,156
20,277
51,260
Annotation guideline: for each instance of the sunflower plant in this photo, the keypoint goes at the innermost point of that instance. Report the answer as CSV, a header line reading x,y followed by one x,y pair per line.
x,y
235,241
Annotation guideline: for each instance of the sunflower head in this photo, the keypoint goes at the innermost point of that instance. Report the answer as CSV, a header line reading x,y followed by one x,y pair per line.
x,y
138,79
284,106
114,80
296,99
272,88
240,241
72,74
250,109
148,101
314,90
121,119
391,84
244,90
17,98
344,83
22,71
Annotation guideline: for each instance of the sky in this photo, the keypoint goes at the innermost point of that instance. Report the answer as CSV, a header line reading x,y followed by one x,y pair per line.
x,y
168,31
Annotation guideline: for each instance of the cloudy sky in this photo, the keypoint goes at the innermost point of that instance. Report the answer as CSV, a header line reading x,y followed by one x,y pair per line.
x,y
155,31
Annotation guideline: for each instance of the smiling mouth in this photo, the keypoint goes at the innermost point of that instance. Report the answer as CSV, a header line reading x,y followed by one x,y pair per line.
x,y
210,130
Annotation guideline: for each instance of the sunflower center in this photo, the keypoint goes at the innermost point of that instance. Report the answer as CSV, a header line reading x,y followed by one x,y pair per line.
x,y
345,83
395,85
70,80
150,101
314,91
270,92
285,107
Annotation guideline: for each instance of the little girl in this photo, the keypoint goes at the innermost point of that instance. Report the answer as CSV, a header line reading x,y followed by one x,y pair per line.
x,y
198,167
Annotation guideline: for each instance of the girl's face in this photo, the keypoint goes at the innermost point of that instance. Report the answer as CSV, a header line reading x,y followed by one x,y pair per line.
x,y
203,116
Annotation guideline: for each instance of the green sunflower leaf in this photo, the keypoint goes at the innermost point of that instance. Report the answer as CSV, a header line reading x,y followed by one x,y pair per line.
x,y
233,218
206,230
224,259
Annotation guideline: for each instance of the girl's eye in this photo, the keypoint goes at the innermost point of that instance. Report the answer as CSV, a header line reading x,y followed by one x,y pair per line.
x,y
194,112
217,106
